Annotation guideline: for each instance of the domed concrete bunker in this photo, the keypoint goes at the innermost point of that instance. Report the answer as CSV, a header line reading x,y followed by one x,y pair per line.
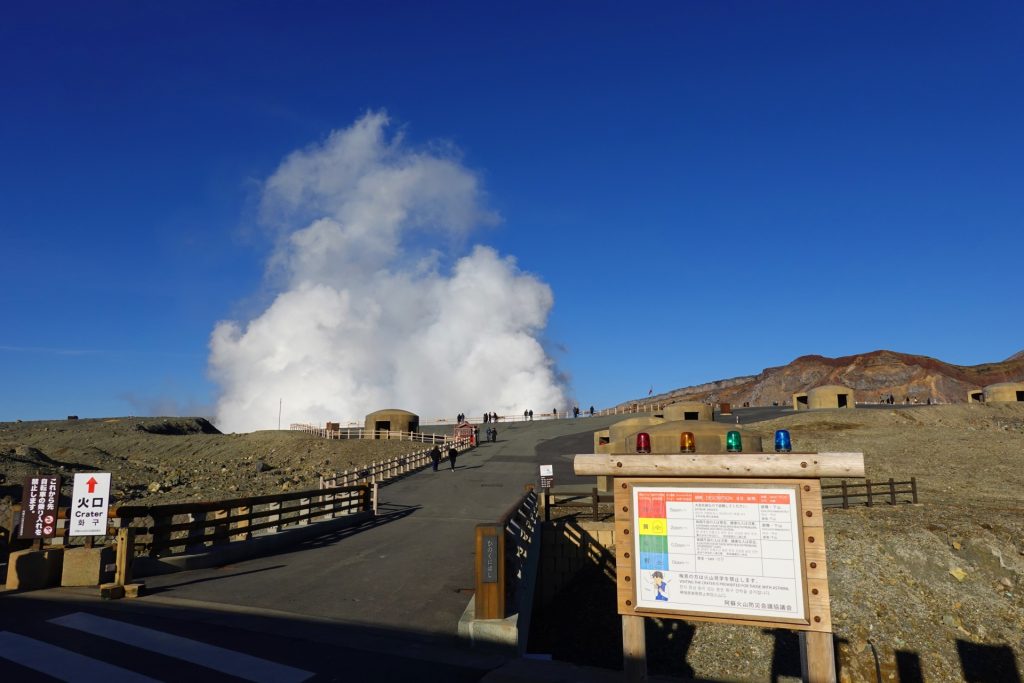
x,y
824,397
391,420
1005,392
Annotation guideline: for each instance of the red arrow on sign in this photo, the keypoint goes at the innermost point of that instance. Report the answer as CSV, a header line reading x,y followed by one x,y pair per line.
x,y
92,484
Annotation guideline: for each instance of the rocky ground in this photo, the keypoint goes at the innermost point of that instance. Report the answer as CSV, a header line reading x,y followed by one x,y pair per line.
x,y
931,592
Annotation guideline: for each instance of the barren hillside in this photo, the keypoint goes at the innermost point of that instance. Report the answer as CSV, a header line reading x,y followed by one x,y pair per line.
x,y
870,375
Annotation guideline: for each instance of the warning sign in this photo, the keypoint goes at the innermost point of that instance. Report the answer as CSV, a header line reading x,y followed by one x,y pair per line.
x,y
89,500
39,507
727,550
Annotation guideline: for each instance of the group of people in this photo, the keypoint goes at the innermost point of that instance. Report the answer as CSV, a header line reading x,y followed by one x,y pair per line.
x,y
490,417
435,457
492,434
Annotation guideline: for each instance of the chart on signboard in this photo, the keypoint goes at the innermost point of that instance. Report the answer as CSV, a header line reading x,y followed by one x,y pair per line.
x,y
719,549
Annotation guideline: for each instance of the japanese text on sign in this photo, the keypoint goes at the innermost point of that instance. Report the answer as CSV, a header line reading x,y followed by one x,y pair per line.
x,y
39,507
89,500
731,551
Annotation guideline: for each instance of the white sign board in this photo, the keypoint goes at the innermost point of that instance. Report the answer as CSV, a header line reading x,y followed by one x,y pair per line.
x,y
547,470
89,500
719,550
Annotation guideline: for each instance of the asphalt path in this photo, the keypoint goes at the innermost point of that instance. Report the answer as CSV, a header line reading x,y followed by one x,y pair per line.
x,y
412,568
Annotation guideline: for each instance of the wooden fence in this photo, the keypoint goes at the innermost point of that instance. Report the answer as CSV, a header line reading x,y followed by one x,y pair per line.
x,y
580,501
159,530
867,492
847,493
386,470
502,551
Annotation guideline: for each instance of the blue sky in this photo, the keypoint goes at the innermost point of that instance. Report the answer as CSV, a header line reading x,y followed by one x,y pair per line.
x,y
707,188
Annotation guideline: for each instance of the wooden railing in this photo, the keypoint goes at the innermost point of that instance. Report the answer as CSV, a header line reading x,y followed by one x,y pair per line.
x,y
867,492
385,470
502,551
580,501
193,527
363,433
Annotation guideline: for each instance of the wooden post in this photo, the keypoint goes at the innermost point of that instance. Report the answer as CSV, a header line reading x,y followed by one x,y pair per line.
x,y
125,550
160,538
374,499
817,657
220,528
634,649
547,505
913,488
846,500
867,485
892,491
489,602
593,502
242,525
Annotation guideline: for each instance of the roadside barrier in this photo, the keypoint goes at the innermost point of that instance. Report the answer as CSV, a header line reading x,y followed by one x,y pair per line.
x,y
363,433
575,500
868,492
386,470
503,549
159,530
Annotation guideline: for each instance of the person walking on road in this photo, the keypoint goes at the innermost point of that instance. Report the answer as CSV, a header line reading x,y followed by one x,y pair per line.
x,y
453,453
435,457
494,434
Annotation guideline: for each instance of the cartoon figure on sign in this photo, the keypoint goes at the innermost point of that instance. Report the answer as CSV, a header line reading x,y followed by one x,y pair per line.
x,y
660,584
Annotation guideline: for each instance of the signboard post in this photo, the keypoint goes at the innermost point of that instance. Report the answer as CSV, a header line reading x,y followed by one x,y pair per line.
x,y
738,540
90,498
547,474
39,509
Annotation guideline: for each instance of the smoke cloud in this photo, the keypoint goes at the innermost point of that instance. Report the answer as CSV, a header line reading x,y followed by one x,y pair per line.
x,y
370,313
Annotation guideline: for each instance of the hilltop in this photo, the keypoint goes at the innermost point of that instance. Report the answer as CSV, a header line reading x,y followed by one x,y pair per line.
x,y
870,375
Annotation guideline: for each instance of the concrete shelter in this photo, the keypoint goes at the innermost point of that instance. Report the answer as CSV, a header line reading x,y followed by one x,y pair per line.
x,y
392,420
1005,392
800,401
688,411
830,396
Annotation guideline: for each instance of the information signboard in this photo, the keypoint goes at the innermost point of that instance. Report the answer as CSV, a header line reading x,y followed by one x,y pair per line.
x,y
89,500
721,550
39,507
547,473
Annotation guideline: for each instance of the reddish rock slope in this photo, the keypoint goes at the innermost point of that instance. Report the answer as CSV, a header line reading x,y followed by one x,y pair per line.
x,y
870,375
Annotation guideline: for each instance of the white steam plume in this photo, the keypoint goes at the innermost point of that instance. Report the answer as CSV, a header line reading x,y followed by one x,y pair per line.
x,y
367,320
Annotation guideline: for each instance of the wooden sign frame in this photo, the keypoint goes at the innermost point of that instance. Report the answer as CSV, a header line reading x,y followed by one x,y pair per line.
x,y
814,575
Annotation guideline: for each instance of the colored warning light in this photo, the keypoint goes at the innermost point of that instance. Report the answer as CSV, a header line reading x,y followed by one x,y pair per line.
x,y
782,441
687,444
643,442
733,442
